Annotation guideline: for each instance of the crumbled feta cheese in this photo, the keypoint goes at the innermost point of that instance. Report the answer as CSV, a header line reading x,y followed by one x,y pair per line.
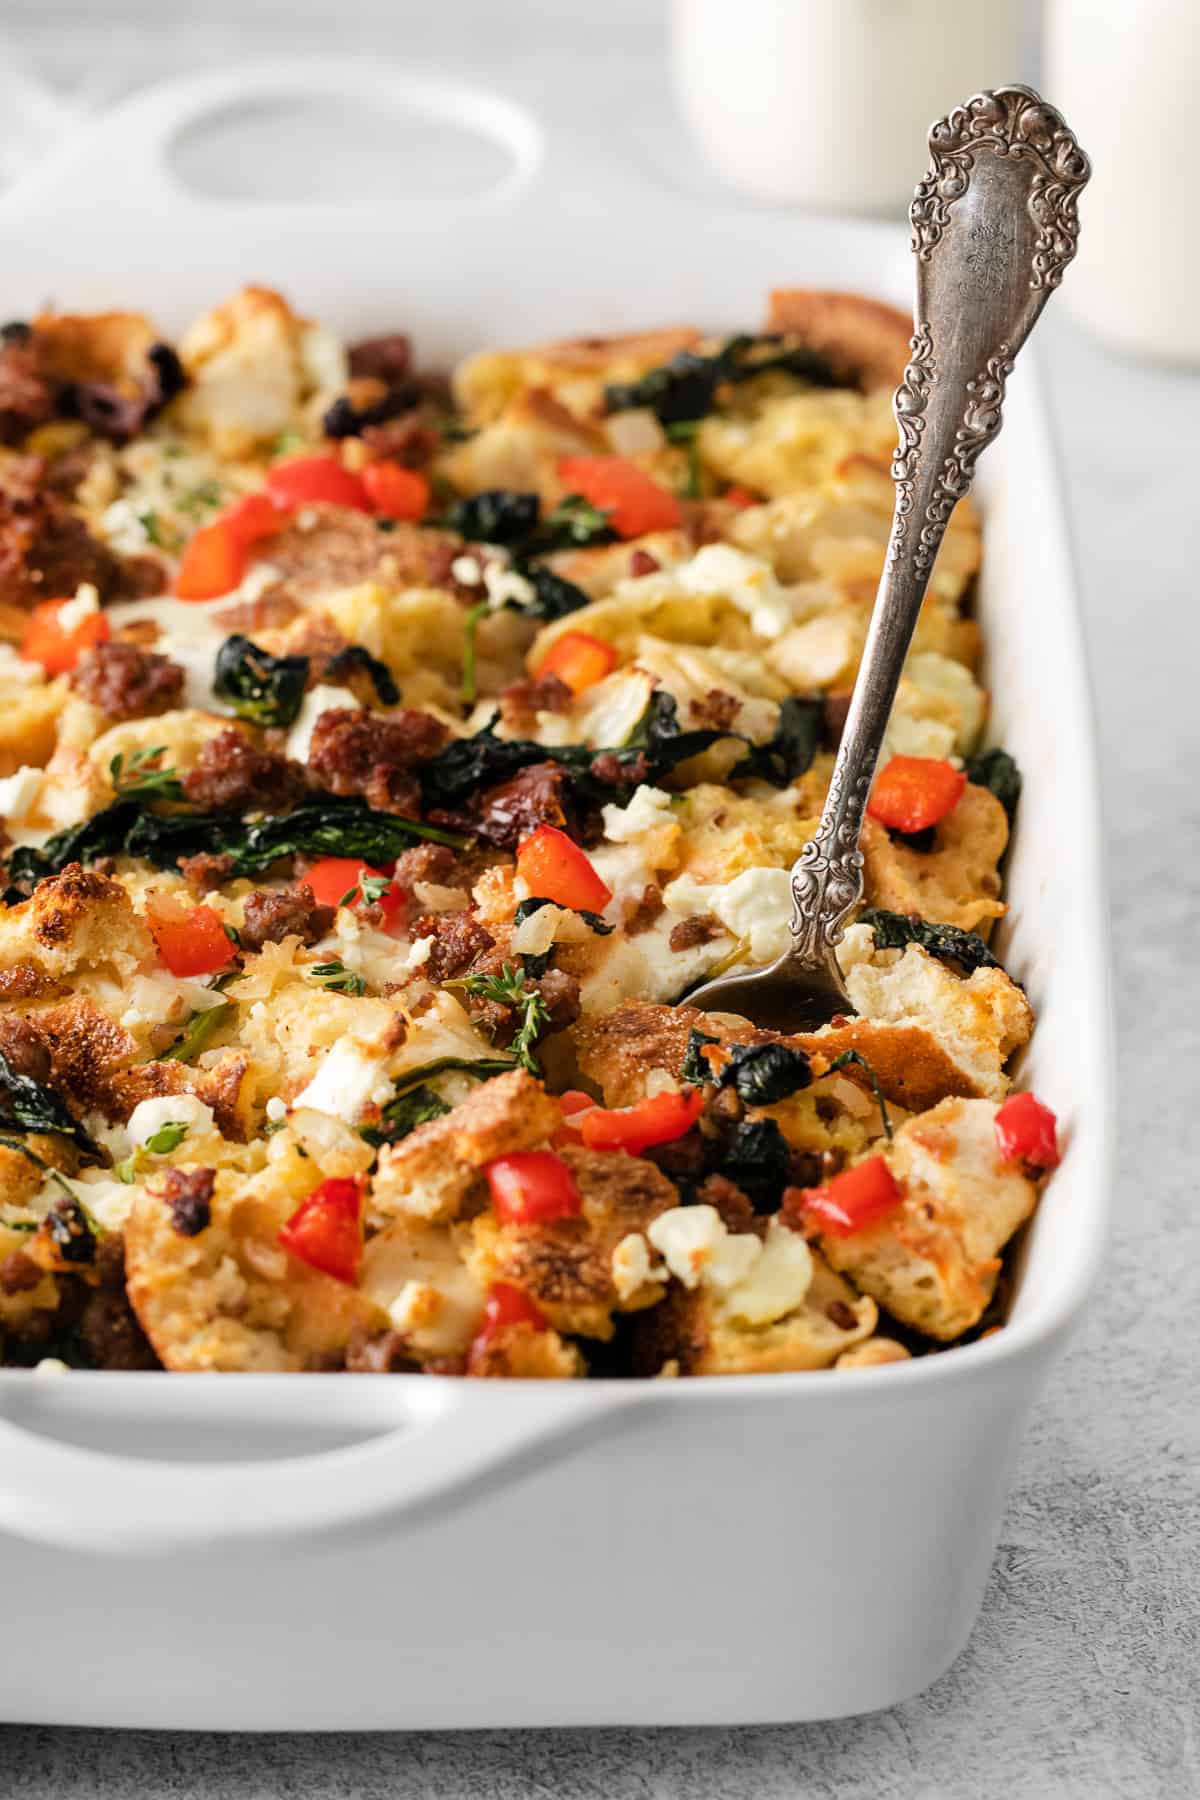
x,y
162,999
51,1365
778,1279
696,1247
755,907
418,954
753,1282
503,585
466,570
319,699
18,793
718,570
149,1116
632,1266
276,1110
346,1082
649,808
72,615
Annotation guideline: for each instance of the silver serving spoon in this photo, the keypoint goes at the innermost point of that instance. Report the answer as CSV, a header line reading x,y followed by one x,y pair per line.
x,y
994,224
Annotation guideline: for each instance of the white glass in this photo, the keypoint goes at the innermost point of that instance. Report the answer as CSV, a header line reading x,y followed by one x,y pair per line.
x,y
826,103
1126,77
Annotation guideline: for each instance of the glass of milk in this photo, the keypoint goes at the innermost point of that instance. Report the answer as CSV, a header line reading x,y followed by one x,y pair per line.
x,y
826,104
1125,78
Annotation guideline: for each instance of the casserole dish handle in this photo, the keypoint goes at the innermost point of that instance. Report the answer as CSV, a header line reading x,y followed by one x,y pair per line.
x,y
449,1435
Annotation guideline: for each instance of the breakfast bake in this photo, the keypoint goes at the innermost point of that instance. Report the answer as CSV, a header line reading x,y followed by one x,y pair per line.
x,y
382,760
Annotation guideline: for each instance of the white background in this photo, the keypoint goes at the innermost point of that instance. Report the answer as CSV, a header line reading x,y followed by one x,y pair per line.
x,y
1083,1677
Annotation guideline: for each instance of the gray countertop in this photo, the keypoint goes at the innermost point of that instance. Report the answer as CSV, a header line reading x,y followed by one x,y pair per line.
x,y
1083,1677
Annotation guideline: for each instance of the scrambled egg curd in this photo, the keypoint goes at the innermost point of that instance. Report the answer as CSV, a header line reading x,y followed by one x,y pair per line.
x,y
384,756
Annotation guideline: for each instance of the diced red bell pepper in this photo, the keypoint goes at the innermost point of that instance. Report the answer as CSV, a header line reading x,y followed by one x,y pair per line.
x,y
574,1104
212,564
509,1305
532,1186
312,480
553,867
913,792
215,557
850,1202
57,650
334,877
396,492
741,497
1027,1132
634,501
325,1231
191,939
252,518
657,1120
579,660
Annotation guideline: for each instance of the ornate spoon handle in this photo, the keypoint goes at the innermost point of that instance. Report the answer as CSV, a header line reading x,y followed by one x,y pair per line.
x,y
994,224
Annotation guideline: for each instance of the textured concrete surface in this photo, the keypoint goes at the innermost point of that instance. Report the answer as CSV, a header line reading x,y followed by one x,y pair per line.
x,y
1083,1677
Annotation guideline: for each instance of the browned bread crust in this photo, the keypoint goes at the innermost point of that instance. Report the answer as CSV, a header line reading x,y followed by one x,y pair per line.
x,y
866,342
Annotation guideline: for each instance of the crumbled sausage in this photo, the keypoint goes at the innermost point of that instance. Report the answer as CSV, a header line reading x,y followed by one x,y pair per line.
x,y
23,1048
187,1194
612,771
642,563
640,914
18,1273
533,797
46,550
435,863
387,358
108,1326
374,754
231,772
205,870
26,397
127,682
522,701
458,938
560,992
841,1315
716,711
735,1207
701,928
271,914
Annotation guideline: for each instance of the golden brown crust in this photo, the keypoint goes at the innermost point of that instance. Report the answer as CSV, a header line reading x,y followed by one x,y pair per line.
x,y
955,883
865,341
566,1264
436,1171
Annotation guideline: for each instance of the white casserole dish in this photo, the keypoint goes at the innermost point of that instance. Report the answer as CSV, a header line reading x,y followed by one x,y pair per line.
x,y
315,1552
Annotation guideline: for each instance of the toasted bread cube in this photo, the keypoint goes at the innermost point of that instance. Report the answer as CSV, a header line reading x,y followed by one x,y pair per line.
x,y
933,1261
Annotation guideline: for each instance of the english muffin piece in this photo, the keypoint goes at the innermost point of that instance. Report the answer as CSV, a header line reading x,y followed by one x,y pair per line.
x,y
785,1312
975,1023
437,1171
567,1265
955,883
933,1261
575,370
866,342
210,1282
76,920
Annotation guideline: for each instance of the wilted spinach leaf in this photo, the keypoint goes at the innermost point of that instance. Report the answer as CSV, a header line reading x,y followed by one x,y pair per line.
x,y
73,1230
756,1158
25,1105
995,769
553,596
686,386
949,943
496,516
535,903
265,689
695,1067
761,1074
404,1114
357,656
790,751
